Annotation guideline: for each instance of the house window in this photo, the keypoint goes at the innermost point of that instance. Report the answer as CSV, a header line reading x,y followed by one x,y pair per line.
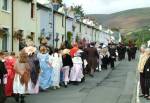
x,y
32,10
5,5
5,40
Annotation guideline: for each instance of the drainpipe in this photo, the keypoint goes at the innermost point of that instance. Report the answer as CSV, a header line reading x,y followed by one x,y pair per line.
x,y
53,29
65,23
12,10
53,17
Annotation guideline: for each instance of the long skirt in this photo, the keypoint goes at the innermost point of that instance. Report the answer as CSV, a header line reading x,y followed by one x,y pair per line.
x,y
65,71
56,77
18,88
9,86
33,89
45,80
76,73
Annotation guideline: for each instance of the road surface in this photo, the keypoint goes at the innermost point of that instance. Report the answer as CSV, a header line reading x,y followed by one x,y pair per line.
x,y
108,86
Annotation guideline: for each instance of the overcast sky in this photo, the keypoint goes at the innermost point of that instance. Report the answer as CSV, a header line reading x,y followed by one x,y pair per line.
x,y
106,6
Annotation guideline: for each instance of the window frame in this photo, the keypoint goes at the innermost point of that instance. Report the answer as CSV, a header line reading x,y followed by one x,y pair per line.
x,y
8,6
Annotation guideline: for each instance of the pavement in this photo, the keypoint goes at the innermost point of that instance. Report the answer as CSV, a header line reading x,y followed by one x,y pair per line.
x,y
137,89
108,86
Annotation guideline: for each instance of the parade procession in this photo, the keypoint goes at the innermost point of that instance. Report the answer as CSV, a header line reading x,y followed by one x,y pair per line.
x,y
52,52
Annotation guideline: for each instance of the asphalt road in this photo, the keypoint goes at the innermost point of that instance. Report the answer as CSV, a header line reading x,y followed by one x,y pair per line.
x,y
108,86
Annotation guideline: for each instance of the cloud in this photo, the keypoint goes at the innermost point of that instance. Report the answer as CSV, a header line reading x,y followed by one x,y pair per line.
x,y
106,6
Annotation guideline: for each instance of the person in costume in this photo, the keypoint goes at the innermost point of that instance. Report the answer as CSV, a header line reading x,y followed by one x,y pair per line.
x,y
76,73
9,64
45,76
67,65
57,65
22,77
34,65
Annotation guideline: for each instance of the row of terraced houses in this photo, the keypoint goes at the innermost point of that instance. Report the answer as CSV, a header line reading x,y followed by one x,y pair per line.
x,y
28,19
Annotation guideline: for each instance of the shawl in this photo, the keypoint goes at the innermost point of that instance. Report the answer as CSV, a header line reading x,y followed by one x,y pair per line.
x,y
142,61
73,51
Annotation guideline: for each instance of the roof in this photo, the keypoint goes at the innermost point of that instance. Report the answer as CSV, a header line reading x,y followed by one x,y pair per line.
x,y
43,6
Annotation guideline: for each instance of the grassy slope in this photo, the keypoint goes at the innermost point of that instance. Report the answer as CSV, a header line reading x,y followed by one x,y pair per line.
x,y
128,20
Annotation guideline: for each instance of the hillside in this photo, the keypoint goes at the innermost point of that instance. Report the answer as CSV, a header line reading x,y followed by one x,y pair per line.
x,y
128,20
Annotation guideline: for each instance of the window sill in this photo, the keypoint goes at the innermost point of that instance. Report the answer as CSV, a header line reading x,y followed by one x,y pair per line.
x,y
6,11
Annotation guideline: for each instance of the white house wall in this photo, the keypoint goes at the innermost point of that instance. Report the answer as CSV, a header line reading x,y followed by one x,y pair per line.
x,y
6,22
77,30
83,31
23,20
45,23
58,28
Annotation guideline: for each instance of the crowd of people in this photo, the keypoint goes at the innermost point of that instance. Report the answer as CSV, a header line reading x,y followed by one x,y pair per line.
x,y
144,70
38,69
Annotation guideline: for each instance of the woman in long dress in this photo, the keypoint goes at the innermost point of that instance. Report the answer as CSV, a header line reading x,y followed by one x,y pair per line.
x,y
22,77
67,64
76,73
45,80
9,64
57,65
34,65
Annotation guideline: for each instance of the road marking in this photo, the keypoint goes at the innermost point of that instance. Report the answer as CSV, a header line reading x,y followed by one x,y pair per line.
x,y
138,92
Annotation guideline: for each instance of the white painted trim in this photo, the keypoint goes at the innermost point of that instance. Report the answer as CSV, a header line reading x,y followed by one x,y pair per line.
x,y
6,11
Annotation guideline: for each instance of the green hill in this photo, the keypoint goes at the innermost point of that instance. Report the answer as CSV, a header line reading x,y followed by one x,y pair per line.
x,y
127,21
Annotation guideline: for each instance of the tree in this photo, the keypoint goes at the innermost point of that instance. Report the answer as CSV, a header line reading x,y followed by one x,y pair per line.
x,y
79,10
140,36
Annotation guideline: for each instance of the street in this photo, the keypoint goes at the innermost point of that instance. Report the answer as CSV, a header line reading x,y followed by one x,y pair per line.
x,y
108,86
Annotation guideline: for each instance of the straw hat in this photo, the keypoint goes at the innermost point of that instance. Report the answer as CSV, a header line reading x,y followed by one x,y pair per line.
x,y
65,51
43,49
30,50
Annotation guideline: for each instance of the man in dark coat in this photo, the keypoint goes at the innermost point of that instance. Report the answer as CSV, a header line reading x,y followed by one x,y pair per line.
x,y
92,58
112,57
134,49
120,52
129,51
124,51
